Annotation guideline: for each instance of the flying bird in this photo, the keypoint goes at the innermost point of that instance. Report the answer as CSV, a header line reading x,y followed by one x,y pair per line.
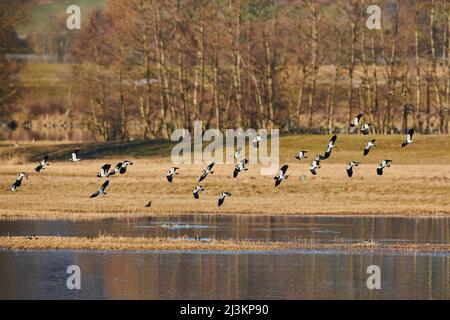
x,y
171,172
101,190
369,145
207,171
315,165
74,155
409,138
149,204
382,165
301,155
18,181
256,141
356,121
197,191
365,129
104,171
222,197
121,167
42,164
350,167
281,175
330,147
240,166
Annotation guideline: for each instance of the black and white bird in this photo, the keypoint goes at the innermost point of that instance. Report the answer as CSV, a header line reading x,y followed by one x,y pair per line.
x,y
206,172
382,165
101,190
74,155
369,145
356,121
42,164
281,175
171,172
256,141
18,181
330,147
104,171
240,166
350,167
222,197
365,129
301,155
197,191
409,138
121,167
315,165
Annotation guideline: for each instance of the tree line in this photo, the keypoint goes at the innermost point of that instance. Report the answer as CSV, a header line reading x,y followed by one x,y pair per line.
x,y
142,68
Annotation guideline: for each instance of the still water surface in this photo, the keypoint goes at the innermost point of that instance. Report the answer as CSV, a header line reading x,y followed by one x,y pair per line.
x,y
230,275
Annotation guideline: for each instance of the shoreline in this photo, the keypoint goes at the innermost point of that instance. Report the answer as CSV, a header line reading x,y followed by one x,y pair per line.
x,y
139,215
111,243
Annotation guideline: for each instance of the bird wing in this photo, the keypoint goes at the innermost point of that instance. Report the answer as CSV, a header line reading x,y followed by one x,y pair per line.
x,y
333,139
210,166
203,176
220,202
95,194
195,195
235,172
277,182
411,133
104,185
44,160
38,168
284,168
366,150
380,171
313,171
350,171
106,167
169,178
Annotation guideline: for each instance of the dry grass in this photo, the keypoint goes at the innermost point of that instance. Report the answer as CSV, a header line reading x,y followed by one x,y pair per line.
x,y
141,243
416,184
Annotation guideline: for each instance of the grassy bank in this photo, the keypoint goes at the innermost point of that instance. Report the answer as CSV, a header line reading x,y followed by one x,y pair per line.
x,y
130,243
416,184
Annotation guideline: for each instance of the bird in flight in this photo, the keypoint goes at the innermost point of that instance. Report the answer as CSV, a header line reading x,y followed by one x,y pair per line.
x,y
121,167
240,166
74,155
350,167
369,145
365,129
101,190
256,141
149,204
18,181
330,147
206,172
281,175
382,165
197,191
315,165
42,164
356,121
301,155
104,171
171,172
222,197
409,138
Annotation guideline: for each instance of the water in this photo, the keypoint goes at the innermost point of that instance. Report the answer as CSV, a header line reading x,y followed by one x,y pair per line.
x,y
230,275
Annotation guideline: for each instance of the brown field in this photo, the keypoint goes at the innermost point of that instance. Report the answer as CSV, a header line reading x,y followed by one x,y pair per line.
x,y
418,183
141,243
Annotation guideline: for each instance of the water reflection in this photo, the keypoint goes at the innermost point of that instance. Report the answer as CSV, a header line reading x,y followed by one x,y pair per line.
x,y
144,275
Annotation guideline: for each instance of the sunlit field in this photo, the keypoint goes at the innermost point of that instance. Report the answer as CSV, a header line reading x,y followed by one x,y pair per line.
x,y
416,184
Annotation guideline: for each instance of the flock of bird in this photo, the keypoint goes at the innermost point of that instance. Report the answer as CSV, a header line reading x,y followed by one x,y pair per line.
x,y
121,167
